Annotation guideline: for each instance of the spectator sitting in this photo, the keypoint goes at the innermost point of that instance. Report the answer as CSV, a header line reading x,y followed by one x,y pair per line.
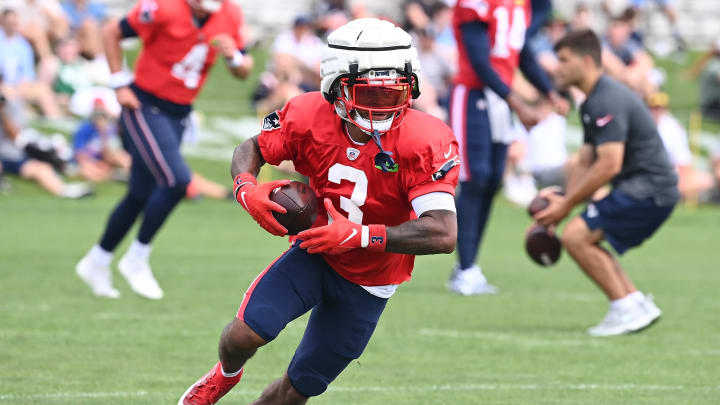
x,y
97,150
42,22
624,57
79,82
710,84
330,15
437,76
15,161
17,67
693,184
295,67
86,17
418,13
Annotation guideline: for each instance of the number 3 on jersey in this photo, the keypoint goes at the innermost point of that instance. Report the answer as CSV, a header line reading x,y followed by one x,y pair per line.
x,y
189,68
339,172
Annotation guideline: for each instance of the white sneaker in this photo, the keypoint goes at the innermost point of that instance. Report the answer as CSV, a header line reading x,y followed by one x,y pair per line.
x,y
470,282
622,321
139,275
75,191
98,278
651,310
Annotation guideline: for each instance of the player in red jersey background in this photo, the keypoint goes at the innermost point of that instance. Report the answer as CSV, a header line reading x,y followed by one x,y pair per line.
x,y
384,174
181,39
491,38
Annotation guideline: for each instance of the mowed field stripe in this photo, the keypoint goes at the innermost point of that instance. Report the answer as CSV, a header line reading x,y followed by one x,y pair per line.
x,y
389,389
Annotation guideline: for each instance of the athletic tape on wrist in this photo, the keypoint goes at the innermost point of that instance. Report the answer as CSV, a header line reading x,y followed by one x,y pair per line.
x,y
120,79
236,60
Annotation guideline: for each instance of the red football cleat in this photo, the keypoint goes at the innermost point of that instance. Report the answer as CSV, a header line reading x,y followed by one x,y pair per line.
x,y
209,389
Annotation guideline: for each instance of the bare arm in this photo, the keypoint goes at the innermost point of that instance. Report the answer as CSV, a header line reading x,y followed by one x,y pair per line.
x,y
434,232
584,183
7,125
606,166
111,37
247,158
580,167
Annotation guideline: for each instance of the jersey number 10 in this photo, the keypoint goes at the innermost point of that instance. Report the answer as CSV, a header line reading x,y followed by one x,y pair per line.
x,y
508,37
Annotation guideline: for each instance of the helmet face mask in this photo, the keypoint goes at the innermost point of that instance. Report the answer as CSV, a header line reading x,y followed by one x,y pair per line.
x,y
376,100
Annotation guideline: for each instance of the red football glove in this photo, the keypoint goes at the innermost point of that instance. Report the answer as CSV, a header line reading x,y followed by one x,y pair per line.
x,y
342,235
255,198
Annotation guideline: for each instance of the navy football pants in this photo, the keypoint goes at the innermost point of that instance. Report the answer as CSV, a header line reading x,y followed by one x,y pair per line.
x,y
158,177
342,321
481,171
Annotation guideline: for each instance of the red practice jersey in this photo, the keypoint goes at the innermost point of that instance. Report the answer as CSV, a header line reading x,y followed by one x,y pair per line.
x,y
176,54
507,22
308,132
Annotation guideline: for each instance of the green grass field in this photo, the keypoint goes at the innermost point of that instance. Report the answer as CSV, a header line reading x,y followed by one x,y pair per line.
x,y
60,345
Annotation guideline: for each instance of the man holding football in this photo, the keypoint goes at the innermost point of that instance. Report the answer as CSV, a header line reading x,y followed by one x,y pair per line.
x,y
622,147
385,176
181,39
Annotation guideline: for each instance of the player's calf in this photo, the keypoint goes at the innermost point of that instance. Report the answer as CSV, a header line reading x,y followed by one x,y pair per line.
x,y
238,343
281,392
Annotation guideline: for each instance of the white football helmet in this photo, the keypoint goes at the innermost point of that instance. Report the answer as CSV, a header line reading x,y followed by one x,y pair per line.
x,y
370,72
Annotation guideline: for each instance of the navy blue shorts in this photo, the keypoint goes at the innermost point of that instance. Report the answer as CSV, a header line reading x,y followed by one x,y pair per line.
x,y
482,161
12,166
342,321
625,221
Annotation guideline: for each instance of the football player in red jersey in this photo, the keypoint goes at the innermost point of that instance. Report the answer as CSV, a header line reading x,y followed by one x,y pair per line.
x,y
491,46
181,39
385,175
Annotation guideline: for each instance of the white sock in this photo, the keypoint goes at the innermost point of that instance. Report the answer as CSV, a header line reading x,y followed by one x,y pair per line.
x,y
637,296
230,375
139,251
100,256
625,303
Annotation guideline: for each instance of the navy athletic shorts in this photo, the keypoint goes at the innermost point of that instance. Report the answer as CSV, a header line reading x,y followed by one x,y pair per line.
x,y
343,318
13,166
625,221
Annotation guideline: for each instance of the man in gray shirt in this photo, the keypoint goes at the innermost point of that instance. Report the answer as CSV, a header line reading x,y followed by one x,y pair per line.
x,y
621,147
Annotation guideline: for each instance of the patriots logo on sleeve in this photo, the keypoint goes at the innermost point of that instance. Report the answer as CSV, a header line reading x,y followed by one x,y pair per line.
x,y
147,11
271,121
445,168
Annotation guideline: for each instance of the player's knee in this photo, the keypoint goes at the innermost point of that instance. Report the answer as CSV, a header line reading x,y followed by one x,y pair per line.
x,y
180,184
239,338
573,237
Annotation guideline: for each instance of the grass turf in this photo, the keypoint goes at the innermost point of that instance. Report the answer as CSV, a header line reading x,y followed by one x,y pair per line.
x,y
60,345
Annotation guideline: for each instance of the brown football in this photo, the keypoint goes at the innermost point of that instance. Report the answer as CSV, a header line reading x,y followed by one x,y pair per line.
x,y
301,204
537,204
542,245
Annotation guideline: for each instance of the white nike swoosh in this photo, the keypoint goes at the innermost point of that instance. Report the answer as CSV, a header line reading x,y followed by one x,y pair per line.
x,y
242,196
353,233
446,155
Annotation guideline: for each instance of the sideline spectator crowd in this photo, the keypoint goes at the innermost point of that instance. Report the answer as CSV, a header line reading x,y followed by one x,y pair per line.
x,y
52,66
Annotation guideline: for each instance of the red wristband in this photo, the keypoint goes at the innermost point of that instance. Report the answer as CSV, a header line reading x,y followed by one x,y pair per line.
x,y
376,238
242,180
